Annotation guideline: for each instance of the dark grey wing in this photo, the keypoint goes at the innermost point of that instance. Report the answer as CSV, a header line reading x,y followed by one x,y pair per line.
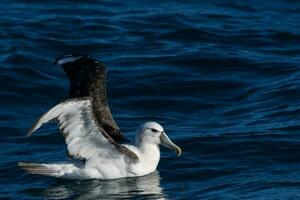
x,y
88,78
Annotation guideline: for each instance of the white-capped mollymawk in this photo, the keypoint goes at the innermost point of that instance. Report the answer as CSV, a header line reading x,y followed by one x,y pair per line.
x,y
91,133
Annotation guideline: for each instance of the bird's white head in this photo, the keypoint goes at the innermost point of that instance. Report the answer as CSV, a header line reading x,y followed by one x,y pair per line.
x,y
153,133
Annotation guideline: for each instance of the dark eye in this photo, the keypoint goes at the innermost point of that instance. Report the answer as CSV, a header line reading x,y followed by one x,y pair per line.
x,y
154,130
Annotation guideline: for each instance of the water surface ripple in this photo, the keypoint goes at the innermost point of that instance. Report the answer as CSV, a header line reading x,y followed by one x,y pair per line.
x,y
221,76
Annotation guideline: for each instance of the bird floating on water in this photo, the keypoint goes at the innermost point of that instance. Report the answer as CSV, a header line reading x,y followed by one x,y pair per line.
x,y
93,139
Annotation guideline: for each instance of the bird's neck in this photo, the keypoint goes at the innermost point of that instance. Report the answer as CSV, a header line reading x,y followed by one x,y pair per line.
x,y
150,152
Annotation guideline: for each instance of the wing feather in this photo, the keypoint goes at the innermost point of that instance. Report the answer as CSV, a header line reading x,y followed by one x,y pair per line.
x,y
87,78
84,136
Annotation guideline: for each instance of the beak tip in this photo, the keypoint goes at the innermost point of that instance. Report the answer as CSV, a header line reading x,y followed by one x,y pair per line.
x,y
178,152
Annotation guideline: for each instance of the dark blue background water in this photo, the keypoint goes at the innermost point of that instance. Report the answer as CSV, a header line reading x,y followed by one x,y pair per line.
x,y
222,77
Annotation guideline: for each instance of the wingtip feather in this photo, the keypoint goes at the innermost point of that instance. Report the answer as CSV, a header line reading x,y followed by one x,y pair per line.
x,y
31,130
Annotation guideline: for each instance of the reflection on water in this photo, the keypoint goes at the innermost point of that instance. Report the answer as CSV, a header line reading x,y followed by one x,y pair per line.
x,y
147,187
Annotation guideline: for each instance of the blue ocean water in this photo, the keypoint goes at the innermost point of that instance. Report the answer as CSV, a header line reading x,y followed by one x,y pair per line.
x,y
223,77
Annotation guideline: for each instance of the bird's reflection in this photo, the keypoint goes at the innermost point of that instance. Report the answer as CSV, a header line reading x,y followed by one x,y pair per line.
x,y
145,187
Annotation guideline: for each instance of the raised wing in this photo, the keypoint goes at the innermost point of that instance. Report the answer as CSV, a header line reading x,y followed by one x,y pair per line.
x,y
83,134
88,78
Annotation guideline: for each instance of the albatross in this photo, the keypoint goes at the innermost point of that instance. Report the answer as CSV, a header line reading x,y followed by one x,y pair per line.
x,y
94,141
